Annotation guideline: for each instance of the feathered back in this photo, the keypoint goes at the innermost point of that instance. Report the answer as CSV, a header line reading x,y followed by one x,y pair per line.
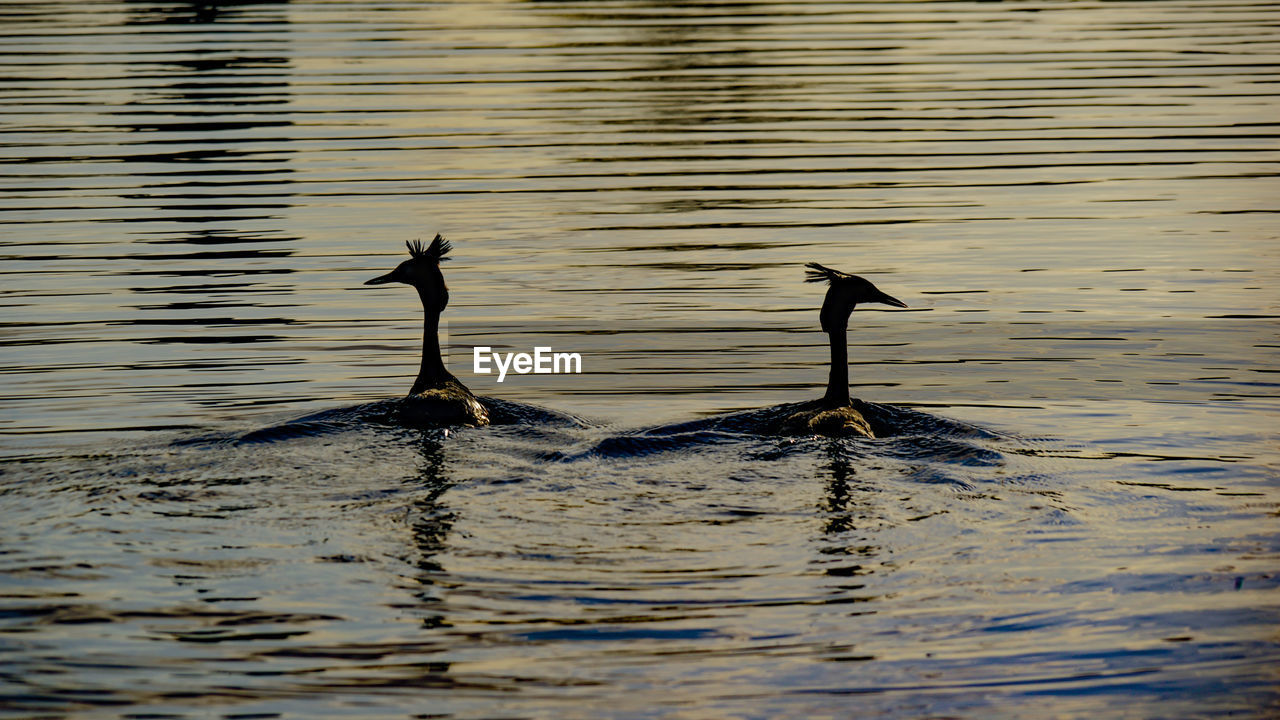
x,y
434,252
822,273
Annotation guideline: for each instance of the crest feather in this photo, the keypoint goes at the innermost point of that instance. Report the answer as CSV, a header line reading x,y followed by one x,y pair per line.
x,y
435,252
822,273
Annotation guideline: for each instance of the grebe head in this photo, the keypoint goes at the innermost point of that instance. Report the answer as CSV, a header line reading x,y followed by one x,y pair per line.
x,y
844,292
422,270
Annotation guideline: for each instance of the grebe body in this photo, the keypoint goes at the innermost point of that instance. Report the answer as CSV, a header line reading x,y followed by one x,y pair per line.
x,y
835,415
437,398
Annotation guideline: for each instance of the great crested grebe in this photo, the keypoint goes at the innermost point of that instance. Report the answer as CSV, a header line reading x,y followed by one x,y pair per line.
x,y
437,398
835,414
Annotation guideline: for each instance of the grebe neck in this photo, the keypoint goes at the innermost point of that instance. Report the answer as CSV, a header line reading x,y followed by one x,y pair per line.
x,y
838,382
431,373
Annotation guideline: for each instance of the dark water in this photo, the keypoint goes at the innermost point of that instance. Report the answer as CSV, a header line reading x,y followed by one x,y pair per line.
x,y
1076,199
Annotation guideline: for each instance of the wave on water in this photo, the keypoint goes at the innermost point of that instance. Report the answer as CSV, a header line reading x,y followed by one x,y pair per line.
x,y
896,428
925,447
386,414
912,448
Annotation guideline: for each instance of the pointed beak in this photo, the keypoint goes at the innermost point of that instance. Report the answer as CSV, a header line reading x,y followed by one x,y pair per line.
x,y
380,280
890,300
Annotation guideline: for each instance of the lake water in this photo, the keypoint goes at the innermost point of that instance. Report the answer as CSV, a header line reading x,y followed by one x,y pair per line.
x,y
1077,200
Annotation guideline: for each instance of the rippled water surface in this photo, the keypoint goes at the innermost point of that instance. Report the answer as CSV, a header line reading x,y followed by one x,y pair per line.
x,y
1077,200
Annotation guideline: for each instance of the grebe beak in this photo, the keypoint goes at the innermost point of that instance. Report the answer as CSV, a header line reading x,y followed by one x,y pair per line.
x,y
889,300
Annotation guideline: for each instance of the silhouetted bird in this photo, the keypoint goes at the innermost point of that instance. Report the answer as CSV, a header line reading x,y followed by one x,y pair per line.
x,y
437,398
835,414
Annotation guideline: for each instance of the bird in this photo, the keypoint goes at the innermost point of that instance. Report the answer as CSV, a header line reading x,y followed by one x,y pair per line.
x,y
437,398
835,414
